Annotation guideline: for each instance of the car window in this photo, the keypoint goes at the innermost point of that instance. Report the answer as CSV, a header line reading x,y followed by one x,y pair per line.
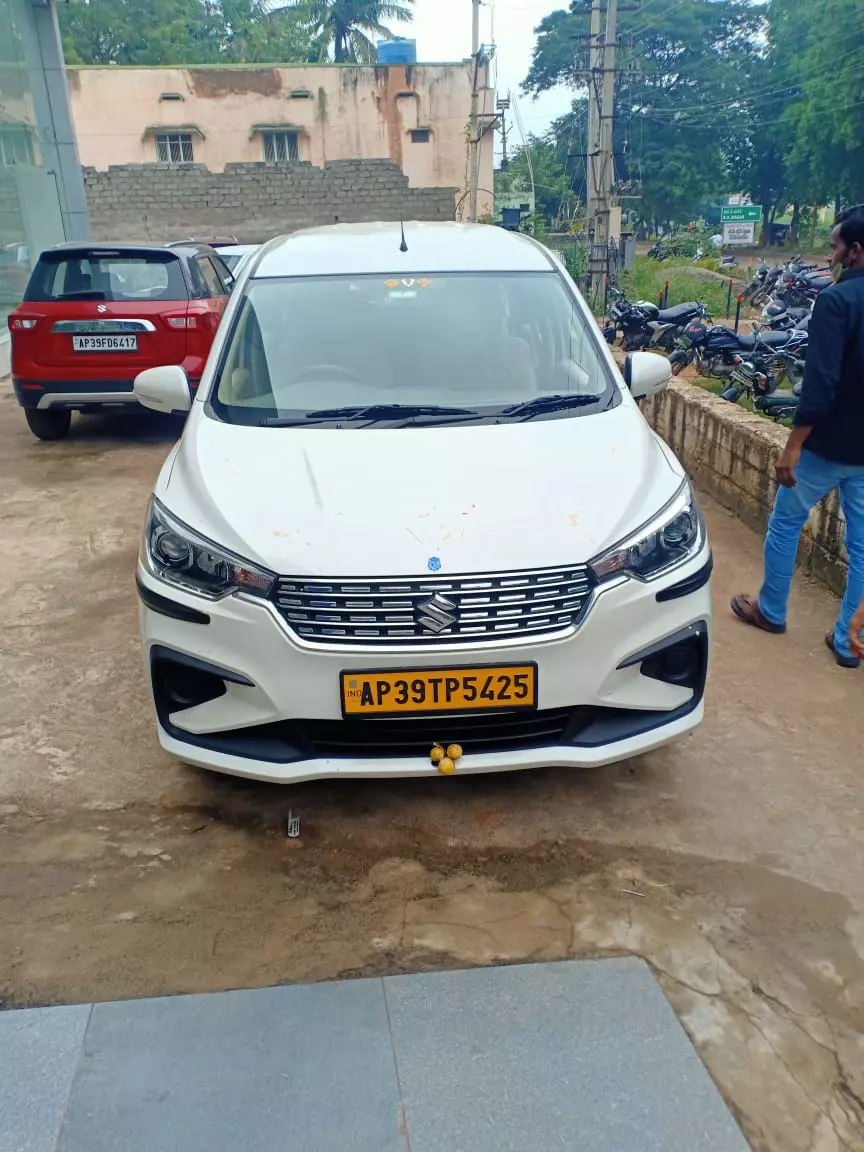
x,y
104,275
200,291
208,273
226,277
489,341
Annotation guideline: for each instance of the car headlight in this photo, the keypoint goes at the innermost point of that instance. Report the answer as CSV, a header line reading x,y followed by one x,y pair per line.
x,y
174,552
670,539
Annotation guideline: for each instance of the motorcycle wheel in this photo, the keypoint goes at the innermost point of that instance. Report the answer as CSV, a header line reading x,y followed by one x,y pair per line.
x,y
678,362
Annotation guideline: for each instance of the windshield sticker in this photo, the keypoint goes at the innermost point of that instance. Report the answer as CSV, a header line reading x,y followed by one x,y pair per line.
x,y
434,563
408,282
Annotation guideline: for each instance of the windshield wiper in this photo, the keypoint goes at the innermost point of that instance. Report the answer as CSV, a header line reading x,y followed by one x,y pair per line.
x,y
385,411
543,404
372,412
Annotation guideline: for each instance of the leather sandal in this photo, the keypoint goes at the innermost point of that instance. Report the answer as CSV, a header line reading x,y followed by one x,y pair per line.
x,y
843,661
746,608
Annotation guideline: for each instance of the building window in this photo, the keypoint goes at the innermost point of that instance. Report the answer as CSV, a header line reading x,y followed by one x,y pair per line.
x,y
280,147
421,135
174,148
16,145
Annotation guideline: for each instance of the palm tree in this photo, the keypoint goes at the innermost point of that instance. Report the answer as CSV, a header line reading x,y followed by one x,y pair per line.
x,y
349,28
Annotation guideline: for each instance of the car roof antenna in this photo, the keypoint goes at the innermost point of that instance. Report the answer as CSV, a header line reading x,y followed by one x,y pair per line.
x,y
403,247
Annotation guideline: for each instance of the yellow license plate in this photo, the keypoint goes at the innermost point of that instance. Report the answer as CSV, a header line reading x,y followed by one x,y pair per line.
x,y
439,690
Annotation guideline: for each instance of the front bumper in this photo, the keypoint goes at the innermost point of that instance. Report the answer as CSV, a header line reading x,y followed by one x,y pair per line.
x,y
235,691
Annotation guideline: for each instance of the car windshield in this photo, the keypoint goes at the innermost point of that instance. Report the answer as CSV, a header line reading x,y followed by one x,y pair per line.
x,y
107,275
359,350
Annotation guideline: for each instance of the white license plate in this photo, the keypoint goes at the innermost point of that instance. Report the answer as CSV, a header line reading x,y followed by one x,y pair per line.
x,y
105,343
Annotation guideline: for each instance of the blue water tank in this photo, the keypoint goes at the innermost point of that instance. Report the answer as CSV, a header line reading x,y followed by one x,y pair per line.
x,y
398,51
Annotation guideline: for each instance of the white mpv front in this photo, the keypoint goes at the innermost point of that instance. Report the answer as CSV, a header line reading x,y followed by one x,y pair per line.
x,y
416,506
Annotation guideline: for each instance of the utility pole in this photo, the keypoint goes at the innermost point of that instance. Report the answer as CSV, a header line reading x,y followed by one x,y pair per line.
x,y
595,65
502,105
603,164
474,175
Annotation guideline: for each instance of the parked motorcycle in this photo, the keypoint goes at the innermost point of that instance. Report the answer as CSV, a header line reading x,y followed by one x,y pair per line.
x,y
778,316
717,350
759,290
645,325
753,378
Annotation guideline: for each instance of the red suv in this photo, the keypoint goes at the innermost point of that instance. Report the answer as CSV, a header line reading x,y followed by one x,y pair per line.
x,y
95,315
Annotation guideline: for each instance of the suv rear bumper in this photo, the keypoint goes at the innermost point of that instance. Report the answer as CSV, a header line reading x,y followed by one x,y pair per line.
x,y
76,394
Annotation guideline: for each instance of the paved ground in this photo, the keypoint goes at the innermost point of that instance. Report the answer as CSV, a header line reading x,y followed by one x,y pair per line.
x,y
731,862
426,1063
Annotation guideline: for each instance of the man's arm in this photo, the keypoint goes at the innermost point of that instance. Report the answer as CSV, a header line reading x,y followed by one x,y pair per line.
x,y
828,330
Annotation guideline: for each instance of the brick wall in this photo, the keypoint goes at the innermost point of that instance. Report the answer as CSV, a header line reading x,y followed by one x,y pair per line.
x,y
146,202
730,454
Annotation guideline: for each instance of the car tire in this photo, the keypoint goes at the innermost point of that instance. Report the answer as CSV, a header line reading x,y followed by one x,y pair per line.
x,y
48,424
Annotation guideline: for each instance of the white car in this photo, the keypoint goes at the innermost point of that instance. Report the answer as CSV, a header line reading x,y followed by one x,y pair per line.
x,y
416,522
235,256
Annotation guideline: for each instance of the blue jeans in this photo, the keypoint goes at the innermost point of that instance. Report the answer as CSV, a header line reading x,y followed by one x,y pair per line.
x,y
816,478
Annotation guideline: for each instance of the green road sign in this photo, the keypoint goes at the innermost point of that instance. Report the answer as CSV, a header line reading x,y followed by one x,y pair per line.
x,y
746,213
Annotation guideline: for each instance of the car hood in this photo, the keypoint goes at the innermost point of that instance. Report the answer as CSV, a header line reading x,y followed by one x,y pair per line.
x,y
385,501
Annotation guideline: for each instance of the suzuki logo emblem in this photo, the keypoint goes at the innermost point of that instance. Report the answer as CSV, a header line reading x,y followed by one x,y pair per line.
x,y
437,614
102,308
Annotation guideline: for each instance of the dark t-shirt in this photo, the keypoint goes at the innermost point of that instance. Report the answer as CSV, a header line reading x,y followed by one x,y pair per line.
x,y
832,398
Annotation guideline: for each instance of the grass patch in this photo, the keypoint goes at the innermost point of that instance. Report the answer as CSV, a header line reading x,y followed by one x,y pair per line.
x,y
648,280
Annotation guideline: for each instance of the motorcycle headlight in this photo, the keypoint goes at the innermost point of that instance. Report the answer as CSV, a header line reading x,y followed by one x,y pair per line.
x,y
673,537
175,553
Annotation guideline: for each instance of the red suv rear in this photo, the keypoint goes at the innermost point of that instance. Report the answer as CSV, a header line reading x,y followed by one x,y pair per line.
x,y
94,316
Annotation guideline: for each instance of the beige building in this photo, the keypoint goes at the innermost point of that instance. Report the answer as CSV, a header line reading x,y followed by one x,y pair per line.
x,y
415,115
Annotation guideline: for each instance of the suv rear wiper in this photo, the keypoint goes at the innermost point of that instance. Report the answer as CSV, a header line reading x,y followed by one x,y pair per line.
x,y
371,412
542,404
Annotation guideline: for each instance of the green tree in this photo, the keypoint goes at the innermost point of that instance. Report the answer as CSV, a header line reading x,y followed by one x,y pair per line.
x,y
152,32
823,40
676,115
346,31
538,164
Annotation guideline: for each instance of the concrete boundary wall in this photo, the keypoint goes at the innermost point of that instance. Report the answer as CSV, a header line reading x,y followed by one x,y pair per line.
x,y
730,454
254,202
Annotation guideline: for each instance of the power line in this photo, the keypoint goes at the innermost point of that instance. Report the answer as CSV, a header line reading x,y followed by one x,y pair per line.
x,y
762,123
763,93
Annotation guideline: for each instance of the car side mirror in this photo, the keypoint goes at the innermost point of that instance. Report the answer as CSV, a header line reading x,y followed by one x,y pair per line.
x,y
646,373
164,389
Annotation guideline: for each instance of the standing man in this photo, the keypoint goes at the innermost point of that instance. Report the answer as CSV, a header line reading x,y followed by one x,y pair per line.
x,y
856,632
825,449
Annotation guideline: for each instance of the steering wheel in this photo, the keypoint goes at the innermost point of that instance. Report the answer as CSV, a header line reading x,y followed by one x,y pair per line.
x,y
328,371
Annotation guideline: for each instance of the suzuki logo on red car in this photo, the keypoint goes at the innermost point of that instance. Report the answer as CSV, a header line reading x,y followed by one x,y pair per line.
x,y
102,308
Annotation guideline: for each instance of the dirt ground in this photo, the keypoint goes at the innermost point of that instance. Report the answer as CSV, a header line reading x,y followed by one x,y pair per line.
x,y
731,861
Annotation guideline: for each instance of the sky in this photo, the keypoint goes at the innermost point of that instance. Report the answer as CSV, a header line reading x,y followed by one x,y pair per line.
x,y
442,29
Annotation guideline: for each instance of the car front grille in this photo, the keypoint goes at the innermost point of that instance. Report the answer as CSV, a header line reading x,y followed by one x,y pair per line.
x,y
435,610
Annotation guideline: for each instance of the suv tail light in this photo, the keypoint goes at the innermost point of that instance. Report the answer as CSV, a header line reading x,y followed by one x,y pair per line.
x,y
18,323
202,320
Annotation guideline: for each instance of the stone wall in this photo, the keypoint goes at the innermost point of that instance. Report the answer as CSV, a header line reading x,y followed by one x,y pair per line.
x,y
731,454
148,202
